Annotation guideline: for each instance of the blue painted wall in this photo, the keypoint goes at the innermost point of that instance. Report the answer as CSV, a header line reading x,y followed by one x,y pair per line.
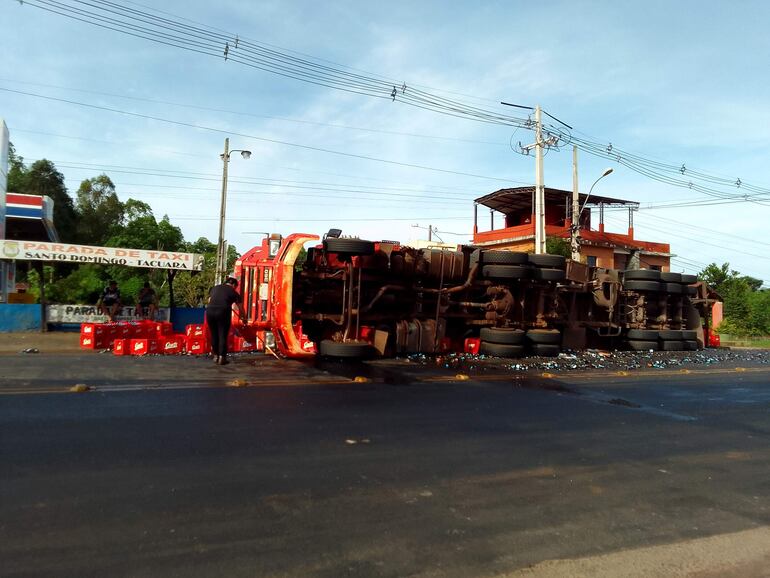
x,y
22,317
16,317
184,316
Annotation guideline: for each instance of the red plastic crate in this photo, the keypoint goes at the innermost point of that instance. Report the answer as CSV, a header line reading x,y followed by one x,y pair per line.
x,y
94,341
120,346
164,328
171,344
143,346
91,329
195,331
197,346
472,345
243,344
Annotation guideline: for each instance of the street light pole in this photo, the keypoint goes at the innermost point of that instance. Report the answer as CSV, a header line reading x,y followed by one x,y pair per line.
x,y
539,185
575,229
221,258
219,274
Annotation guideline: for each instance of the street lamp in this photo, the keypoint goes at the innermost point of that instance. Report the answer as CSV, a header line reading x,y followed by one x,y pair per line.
x,y
574,230
221,252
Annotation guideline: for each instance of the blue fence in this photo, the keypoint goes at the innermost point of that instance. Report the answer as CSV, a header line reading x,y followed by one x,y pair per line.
x,y
16,317
183,316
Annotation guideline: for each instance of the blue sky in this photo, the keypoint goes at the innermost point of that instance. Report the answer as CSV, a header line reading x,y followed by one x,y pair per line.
x,y
681,83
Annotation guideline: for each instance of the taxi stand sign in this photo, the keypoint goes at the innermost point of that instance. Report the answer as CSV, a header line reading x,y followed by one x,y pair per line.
x,y
67,253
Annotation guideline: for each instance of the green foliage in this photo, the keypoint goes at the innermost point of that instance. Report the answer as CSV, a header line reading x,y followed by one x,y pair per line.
x,y
42,178
746,307
100,212
98,217
558,246
84,285
142,231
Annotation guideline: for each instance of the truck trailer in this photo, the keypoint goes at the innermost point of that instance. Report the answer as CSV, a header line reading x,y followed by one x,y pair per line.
x,y
355,298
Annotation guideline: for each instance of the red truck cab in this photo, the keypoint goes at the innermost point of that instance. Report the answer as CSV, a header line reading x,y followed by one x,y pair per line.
x,y
265,276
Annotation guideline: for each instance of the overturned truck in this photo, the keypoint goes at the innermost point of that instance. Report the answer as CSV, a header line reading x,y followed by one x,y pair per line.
x,y
355,298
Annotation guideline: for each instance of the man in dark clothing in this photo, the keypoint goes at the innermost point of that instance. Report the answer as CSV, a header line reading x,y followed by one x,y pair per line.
x,y
110,300
147,304
219,315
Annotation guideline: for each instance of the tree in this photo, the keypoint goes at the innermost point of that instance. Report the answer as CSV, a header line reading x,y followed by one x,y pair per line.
x,y
558,246
142,231
746,308
716,276
17,172
42,178
193,287
100,212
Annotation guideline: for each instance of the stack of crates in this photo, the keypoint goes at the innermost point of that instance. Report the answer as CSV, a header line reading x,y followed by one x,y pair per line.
x,y
132,337
154,337
197,339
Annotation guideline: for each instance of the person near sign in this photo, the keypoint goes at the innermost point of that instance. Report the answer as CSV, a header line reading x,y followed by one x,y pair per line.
x,y
219,316
110,300
147,302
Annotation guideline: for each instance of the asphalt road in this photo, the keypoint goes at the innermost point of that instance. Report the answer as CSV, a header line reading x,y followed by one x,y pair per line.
x,y
174,467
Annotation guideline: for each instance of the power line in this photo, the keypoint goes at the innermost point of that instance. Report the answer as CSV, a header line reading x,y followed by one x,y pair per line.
x,y
254,137
208,41
331,220
204,40
254,115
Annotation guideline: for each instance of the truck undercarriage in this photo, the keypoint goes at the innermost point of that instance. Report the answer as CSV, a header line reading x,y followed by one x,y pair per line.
x,y
357,298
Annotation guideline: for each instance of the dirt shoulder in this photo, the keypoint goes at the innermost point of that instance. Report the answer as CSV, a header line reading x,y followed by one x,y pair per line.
x,y
52,342
741,554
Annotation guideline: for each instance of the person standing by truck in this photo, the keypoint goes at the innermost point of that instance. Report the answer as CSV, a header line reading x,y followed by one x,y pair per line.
x,y
219,316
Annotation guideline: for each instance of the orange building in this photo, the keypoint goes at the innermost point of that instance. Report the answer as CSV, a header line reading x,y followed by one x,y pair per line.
x,y
512,226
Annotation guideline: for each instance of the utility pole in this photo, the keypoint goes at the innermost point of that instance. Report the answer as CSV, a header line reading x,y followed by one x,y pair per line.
x,y
219,274
221,254
575,228
539,186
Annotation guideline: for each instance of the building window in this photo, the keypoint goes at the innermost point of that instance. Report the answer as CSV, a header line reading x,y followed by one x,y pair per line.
x,y
655,267
591,261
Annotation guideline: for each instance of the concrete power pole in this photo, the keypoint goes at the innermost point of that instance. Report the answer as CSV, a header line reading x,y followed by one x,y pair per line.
x,y
574,230
221,246
539,186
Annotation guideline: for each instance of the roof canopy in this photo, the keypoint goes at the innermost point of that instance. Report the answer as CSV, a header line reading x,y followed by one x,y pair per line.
x,y
508,201
29,217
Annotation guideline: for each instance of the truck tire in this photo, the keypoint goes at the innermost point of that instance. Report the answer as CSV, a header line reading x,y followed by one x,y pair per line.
x,y
689,334
668,277
689,279
689,290
642,335
642,345
672,345
670,335
547,261
502,336
503,258
639,285
505,271
641,275
345,349
501,350
549,274
544,336
349,246
545,349
672,288
690,345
